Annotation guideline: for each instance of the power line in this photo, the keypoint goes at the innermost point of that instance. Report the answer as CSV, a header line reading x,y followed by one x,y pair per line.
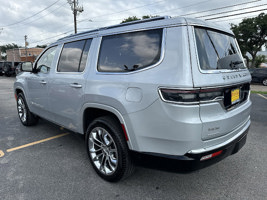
x,y
37,41
232,11
32,15
236,18
219,8
50,12
191,5
236,14
123,10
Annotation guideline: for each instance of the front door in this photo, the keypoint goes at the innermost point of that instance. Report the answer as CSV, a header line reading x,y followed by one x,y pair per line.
x,y
38,84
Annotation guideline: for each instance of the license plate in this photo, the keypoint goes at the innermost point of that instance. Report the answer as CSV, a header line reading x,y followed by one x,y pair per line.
x,y
235,96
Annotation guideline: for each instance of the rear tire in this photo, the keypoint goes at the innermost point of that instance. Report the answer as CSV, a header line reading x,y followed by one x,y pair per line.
x,y
107,149
26,117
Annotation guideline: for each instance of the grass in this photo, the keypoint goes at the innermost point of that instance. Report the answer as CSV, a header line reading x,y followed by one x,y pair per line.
x,y
258,92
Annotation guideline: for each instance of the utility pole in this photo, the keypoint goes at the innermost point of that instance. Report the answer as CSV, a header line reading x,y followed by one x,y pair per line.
x,y
76,9
26,44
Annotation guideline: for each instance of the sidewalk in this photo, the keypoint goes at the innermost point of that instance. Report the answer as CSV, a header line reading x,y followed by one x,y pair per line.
x,y
256,87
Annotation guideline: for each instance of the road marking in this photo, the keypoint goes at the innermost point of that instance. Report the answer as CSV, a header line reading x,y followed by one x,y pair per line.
x,y
262,96
1,153
37,142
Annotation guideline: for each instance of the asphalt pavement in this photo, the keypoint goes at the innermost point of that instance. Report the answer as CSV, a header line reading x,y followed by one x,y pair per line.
x,y
58,168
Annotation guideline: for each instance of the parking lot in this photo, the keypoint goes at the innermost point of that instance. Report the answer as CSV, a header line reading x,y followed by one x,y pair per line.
x,y
49,162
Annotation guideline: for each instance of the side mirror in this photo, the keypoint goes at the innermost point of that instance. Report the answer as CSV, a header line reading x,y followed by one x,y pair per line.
x,y
26,67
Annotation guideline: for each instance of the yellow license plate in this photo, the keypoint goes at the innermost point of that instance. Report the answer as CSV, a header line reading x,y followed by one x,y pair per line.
x,y
235,95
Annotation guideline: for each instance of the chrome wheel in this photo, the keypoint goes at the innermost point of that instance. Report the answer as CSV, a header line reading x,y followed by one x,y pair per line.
x,y
103,151
264,82
22,110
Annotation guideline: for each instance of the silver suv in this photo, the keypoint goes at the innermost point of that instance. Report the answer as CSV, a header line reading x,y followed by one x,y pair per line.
x,y
168,87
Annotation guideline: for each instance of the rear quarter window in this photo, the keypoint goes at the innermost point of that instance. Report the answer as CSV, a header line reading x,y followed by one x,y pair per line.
x,y
130,51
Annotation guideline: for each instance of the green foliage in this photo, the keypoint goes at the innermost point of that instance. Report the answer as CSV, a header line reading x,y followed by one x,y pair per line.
x,y
251,35
41,46
134,18
8,46
259,59
130,19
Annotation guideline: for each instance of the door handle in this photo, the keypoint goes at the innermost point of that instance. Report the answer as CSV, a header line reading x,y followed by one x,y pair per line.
x,y
43,82
75,85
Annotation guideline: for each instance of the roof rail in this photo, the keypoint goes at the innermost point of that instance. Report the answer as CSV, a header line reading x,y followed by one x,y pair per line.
x,y
119,25
136,22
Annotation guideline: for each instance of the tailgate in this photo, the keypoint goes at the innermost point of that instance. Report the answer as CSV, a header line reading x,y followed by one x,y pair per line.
x,y
219,67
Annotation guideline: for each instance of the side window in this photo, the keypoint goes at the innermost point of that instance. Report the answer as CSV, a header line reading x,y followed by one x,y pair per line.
x,y
130,51
73,56
45,61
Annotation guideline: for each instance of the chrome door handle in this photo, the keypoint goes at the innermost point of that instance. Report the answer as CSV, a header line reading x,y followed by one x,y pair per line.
x,y
75,85
43,82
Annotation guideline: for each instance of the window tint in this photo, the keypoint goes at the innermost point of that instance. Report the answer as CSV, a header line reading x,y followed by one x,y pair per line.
x,y
73,56
130,51
47,58
217,50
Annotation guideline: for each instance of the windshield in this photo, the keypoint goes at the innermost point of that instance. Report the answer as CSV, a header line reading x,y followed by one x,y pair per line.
x,y
217,50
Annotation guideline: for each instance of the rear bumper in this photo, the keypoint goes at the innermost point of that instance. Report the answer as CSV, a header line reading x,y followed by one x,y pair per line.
x,y
227,150
191,161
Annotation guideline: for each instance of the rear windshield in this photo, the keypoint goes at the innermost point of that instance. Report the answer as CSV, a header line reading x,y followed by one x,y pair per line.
x,y
217,50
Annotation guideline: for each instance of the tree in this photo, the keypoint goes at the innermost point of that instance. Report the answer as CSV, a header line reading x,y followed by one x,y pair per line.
x,y
134,18
6,47
41,46
251,35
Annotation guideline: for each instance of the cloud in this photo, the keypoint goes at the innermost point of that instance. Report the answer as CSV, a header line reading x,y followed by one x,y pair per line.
x,y
58,19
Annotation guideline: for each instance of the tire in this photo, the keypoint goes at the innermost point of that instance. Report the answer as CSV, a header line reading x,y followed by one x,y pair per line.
x,y
6,70
264,82
26,117
107,149
7,74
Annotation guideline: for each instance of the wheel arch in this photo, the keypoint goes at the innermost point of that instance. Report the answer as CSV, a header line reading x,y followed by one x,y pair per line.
x,y
19,90
93,110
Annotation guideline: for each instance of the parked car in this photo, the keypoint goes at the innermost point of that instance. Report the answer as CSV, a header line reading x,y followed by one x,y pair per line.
x,y
9,68
259,75
1,68
169,87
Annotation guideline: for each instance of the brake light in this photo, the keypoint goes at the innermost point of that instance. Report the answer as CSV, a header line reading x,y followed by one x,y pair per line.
x,y
191,96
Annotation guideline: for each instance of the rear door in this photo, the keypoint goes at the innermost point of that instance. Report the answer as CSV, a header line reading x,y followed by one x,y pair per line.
x,y
68,83
219,71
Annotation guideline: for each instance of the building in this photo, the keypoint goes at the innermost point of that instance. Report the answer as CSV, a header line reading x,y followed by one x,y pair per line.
x,y
22,54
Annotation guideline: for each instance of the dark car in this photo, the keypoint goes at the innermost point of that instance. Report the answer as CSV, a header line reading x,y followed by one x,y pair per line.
x,y
9,68
259,75
1,68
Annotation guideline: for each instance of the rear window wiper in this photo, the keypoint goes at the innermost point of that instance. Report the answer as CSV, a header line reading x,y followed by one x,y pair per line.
x,y
132,69
233,65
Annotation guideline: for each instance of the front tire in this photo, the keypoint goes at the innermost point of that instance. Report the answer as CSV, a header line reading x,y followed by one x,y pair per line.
x,y
107,149
26,117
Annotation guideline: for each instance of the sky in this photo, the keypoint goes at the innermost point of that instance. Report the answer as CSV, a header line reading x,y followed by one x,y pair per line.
x,y
45,21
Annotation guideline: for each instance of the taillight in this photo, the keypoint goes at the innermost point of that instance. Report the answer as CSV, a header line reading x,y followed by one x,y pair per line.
x,y
190,96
